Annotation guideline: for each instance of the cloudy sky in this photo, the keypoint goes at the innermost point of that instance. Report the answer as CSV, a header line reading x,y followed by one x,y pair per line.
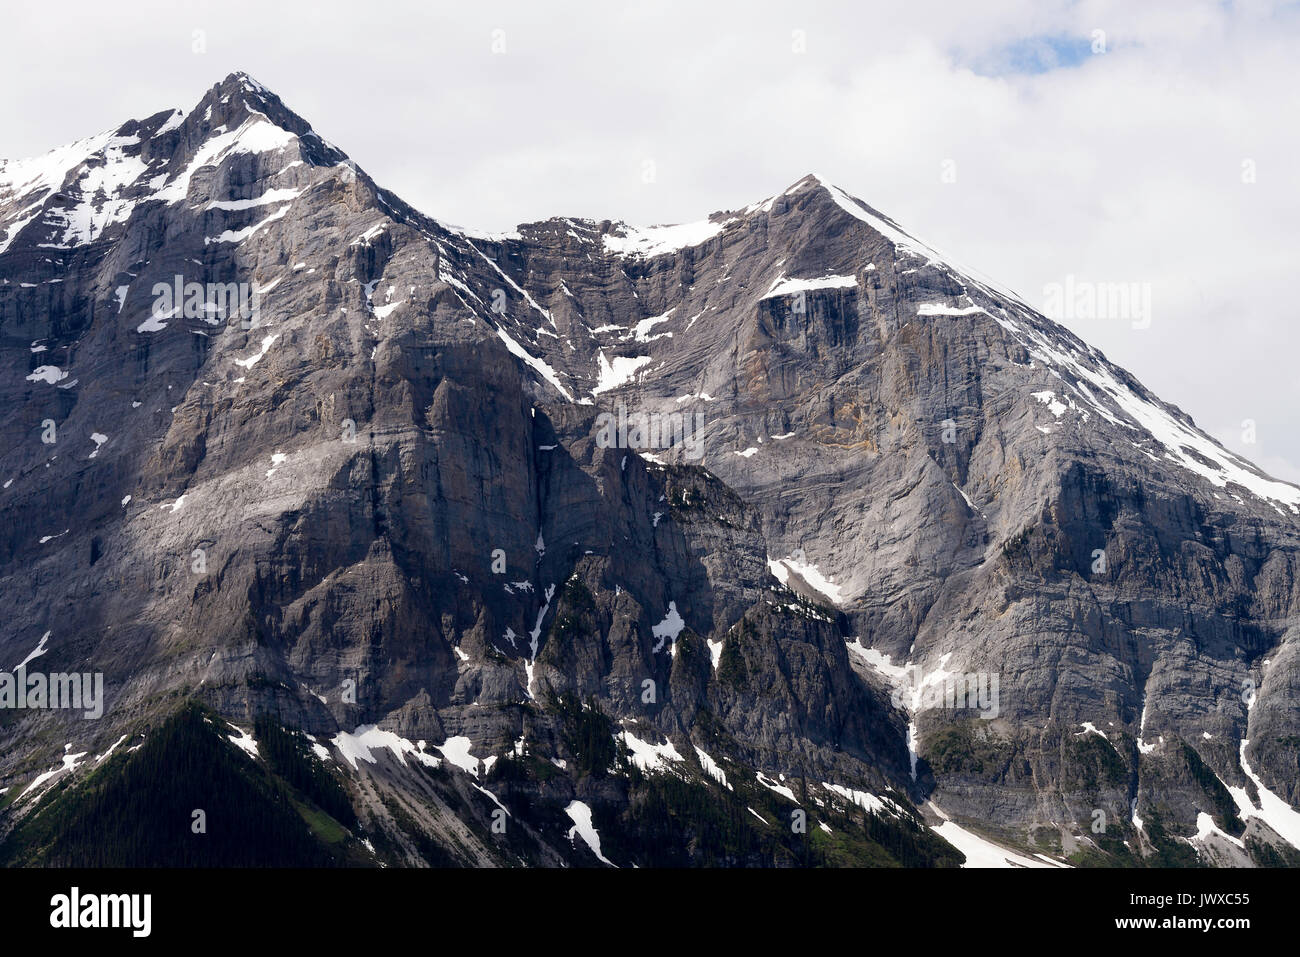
x,y
1045,143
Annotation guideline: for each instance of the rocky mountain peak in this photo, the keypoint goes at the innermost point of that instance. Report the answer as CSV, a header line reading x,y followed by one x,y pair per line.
x,y
787,464
73,195
240,102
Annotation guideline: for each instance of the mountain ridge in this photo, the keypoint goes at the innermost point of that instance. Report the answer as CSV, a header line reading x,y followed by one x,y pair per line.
x,y
907,477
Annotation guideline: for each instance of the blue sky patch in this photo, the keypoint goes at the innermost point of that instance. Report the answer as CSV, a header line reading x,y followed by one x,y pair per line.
x,y
1032,55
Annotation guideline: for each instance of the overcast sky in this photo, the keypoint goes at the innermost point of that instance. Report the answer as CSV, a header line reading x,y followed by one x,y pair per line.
x,y
1155,143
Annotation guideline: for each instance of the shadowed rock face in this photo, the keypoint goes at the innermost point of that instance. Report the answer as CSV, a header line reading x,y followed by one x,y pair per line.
x,y
387,495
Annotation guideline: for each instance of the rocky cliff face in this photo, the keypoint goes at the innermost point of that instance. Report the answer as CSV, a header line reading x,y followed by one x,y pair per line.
x,y
561,543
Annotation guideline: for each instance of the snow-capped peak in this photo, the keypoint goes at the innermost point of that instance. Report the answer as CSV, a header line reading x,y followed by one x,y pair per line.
x,y
73,194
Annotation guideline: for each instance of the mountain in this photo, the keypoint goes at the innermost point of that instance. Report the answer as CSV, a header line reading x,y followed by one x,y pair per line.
x,y
771,539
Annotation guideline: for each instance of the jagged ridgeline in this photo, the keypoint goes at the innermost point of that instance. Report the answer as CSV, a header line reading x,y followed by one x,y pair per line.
x,y
775,539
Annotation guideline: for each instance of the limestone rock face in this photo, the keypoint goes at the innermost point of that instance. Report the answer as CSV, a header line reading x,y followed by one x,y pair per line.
x,y
769,492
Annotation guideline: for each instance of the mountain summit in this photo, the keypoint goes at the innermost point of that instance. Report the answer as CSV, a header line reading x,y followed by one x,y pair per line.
x,y
774,538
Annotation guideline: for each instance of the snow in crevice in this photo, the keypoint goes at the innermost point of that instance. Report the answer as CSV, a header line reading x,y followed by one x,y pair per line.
x,y
668,629
642,331
172,122
913,688
256,357
983,853
360,744
712,770
969,502
1206,829
580,814
621,370
36,652
111,748
527,297
239,235
941,309
654,241
715,652
70,762
1273,810
495,800
244,741
456,750
786,287
863,799
780,789
265,199
646,756
536,634
1090,728
538,365
809,572
1054,405
1142,745
50,375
